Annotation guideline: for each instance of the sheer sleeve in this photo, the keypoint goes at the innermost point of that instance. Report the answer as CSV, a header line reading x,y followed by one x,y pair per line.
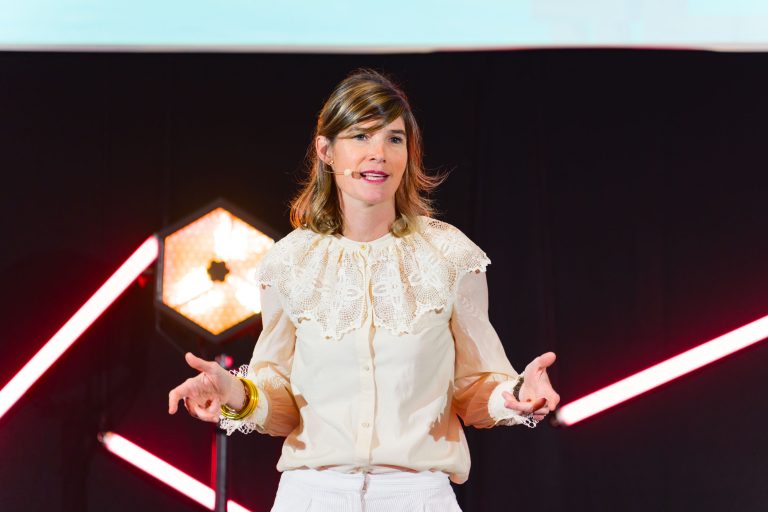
x,y
270,369
482,370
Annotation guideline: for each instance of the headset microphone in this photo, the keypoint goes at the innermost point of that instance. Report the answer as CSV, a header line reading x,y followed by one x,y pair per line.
x,y
347,172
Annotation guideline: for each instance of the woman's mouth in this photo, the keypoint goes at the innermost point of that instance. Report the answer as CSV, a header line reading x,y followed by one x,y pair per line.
x,y
374,176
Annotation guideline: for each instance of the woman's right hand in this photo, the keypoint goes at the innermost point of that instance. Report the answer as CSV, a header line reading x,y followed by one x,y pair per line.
x,y
204,393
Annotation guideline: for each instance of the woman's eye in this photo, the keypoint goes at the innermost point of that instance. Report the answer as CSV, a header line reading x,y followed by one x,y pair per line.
x,y
396,140
360,136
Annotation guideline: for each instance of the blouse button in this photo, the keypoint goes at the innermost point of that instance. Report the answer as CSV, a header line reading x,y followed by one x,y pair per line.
x,y
363,247
366,424
366,368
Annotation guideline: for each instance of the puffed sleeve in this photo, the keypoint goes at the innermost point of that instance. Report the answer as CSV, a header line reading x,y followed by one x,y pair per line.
x,y
270,369
482,371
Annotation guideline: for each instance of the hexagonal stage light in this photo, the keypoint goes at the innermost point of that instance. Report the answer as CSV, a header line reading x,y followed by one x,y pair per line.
x,y
206,275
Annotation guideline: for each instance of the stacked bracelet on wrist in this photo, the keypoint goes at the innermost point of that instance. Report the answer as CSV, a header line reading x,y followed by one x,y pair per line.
x,y
516,389
251,401
528,419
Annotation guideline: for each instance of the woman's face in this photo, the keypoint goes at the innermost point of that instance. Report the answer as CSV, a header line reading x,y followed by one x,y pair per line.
x,y
377,161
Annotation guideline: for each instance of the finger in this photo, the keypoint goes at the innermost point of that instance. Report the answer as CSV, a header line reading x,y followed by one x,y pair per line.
x,y
214,406
189,387
203,415
197,363
190,407
510,397
526,407
545,360
213,411
200,411
209,412
211,418
208,419
518,407
173,400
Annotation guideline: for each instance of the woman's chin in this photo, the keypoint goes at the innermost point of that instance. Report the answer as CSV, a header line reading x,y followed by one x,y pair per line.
x,y
377,199
368,198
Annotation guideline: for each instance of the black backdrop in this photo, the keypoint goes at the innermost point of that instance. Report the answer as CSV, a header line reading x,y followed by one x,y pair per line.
x,y
620,195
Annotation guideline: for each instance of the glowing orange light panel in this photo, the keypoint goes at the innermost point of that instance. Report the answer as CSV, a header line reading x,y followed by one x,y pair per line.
x,y
209,269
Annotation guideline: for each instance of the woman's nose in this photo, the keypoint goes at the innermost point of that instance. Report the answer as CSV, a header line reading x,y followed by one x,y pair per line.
x,y
377,151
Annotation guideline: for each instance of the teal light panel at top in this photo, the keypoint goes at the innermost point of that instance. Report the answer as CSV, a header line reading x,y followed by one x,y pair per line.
x,y
346,26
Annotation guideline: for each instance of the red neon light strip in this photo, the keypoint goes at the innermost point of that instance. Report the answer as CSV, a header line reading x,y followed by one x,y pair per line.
x,y
80,321
663,372
164,472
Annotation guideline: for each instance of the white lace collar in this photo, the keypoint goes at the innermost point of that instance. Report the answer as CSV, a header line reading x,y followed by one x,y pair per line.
x,y
355,245
324,277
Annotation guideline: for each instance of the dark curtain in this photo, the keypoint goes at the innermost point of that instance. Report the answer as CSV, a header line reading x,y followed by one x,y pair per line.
x,y
620,195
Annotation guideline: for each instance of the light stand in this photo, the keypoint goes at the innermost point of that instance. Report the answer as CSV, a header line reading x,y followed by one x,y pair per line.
x,y
206,282
220,455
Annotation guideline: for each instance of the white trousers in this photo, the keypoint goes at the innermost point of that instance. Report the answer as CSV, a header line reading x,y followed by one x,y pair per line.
x,y
308,490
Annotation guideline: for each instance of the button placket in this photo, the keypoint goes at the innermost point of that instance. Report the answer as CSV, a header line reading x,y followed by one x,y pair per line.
x,y
367,405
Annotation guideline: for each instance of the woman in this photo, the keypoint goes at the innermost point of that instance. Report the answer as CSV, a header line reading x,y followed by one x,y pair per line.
x,y
376,335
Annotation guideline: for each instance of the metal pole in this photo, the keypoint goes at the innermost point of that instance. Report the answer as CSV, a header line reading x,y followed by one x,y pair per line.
x,y
220,457
220,463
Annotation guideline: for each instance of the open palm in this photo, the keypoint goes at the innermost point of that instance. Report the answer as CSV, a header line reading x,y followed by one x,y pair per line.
x,y
537,396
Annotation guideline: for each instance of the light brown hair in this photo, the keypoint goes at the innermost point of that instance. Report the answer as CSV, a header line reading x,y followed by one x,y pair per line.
x,y
365,95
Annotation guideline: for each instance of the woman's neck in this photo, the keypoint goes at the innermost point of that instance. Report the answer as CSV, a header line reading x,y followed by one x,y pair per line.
x,y
364,223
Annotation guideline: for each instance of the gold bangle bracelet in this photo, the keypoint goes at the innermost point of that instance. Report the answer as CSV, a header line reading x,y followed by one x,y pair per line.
x,y
251,401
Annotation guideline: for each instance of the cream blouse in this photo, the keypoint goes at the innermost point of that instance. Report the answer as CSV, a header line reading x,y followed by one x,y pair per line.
x,y
371,351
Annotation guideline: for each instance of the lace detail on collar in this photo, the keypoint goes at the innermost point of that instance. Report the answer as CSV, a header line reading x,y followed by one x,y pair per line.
x,y
322,278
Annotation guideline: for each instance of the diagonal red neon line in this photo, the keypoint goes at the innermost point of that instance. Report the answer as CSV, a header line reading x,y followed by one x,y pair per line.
x,y
663,372
164,472
78,323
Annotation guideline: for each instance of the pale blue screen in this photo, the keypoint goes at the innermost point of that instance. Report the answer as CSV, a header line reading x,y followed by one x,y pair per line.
x,y
342,25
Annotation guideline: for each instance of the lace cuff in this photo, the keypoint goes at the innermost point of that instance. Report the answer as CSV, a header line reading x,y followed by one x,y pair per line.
x,y
255,420
498,411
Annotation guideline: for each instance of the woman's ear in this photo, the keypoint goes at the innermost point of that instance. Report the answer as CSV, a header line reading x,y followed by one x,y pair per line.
x,y
323,148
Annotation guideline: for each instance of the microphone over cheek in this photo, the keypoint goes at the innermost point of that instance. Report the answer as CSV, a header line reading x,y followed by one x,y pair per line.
x,y
347,172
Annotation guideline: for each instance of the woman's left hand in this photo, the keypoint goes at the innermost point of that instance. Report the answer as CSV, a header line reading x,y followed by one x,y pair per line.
x,y
537,396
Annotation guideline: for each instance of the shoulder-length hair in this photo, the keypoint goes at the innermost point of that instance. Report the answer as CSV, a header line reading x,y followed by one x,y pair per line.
x,y
365,95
